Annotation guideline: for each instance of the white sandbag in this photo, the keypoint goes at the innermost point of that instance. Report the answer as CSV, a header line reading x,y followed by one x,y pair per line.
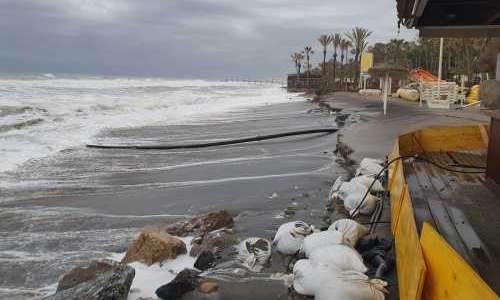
x,y
367,181
351,230
369,166
352,194
350,285
321,239
307,277
335,187
340,257
370,92
254,253
290,236
368,160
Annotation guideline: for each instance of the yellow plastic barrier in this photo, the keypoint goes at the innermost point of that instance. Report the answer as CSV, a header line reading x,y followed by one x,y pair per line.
x,y
397,191
443,274
410,263
473,96
448,275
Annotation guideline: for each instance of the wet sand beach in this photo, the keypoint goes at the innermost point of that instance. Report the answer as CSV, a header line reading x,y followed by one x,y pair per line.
x,y
86,203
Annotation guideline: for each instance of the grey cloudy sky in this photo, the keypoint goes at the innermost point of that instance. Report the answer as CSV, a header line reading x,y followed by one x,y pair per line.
x,y
177,38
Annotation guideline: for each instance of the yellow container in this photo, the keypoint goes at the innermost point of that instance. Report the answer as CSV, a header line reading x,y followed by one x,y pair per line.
x,y
473,94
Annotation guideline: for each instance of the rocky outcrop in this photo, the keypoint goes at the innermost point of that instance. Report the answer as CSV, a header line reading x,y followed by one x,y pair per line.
x,y
82,274
187,280
154,246
202,224
100,280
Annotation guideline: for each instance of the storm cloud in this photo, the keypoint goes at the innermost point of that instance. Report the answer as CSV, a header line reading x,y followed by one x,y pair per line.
x,y
177,38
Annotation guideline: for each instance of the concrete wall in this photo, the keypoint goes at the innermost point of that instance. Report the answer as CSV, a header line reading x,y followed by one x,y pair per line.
x,y
498,67
489,94
302,82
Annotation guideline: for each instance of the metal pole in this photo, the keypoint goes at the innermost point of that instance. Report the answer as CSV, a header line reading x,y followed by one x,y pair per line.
x,y
440,70
386,92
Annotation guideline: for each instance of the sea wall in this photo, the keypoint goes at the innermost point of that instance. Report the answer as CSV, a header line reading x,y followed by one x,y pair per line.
x,y
303,81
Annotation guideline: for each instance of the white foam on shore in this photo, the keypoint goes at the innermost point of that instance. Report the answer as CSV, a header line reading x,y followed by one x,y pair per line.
x,y
149,278
72,111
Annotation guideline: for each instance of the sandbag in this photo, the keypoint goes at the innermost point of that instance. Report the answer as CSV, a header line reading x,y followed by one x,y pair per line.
x,y
321,239
307,277
370,92
369,166
352,194
351,230
340,257
290,236
336,187
350,285
254,253
408,94
367,181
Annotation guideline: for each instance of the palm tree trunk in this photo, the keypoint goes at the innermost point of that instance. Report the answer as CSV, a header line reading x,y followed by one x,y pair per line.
x,y
324,62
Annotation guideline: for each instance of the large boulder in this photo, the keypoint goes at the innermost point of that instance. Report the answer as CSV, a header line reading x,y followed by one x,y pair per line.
x,y
153,246
100,280
84,273
202,224
187,280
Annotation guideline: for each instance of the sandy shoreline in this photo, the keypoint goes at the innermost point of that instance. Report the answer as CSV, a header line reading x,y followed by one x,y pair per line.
x,y
93,202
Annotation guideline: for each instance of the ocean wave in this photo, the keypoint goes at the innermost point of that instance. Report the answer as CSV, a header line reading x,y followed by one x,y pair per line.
x,y
20,125
40,117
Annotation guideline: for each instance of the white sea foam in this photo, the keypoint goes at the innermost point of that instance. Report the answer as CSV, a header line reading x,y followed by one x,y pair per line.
x,y
42,115
149,278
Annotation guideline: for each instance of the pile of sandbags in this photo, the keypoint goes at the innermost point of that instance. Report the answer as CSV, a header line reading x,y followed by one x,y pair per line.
x,y
357,194
332,269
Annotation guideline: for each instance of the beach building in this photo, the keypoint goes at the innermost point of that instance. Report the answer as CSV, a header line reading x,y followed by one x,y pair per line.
x,y
445,200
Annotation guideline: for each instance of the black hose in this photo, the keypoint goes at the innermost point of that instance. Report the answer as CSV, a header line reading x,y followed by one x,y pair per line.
x,y
219,143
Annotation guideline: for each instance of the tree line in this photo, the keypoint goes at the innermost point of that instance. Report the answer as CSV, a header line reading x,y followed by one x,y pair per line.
x,y
463,58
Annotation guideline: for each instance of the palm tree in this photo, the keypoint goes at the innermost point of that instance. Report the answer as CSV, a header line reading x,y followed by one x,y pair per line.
x,y
325,40
297,58
344,51
343,48
396,50
308,52
358,36
336,38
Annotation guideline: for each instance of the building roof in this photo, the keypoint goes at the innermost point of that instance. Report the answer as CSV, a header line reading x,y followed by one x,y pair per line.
x,y
451,17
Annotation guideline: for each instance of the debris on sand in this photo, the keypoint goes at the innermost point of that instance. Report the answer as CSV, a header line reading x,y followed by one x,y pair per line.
x,y
153,246
254,253
202,224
